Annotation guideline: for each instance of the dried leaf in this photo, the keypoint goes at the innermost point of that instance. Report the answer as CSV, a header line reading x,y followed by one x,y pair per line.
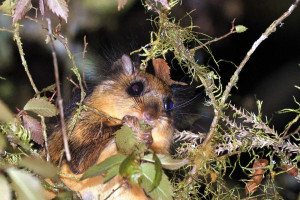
x,y
5,113
22,6
257,177
41,107
39,166
42,7
162,71
26,185
290,169
7,6
121,4
59,7
102,167
4,188
35,128
163,191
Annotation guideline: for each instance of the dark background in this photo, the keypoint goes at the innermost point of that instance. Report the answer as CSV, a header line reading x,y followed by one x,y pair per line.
x,y
270,75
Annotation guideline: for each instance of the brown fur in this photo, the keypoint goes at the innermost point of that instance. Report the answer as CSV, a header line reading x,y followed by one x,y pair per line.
x,y
92,141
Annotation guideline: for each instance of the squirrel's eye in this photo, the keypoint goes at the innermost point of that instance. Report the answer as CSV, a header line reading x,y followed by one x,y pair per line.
x,y
135,89
169,105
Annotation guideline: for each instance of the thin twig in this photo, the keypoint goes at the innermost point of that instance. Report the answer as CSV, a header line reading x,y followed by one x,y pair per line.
x,y
234,78
17,38
83,61
232,31
59,99
7,30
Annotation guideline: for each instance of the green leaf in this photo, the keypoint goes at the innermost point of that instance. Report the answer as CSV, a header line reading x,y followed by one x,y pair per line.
x,y
158,171
4,188
39,166
167,161
26,185
163,191
5,113
112,172
41,107
125,140
131,169
7,6
240,28
102,167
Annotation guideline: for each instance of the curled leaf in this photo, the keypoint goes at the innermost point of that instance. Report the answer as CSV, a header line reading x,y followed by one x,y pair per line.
x,y
162,71
257,177
6,6
167,161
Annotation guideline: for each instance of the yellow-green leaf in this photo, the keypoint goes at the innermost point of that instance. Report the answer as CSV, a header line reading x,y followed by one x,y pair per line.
x,y
112,172
130,168
7,6
125,140
240,28
41,107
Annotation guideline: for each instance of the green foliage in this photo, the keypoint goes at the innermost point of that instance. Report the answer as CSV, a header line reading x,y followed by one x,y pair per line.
x,y
41,107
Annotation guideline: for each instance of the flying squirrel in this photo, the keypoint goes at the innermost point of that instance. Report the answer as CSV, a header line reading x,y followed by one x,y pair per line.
x,y
125,95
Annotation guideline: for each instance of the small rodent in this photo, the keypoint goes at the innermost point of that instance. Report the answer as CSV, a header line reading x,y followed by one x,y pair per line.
x,y
124,93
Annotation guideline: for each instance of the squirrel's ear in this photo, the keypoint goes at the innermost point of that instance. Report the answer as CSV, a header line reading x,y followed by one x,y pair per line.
x,y
127,65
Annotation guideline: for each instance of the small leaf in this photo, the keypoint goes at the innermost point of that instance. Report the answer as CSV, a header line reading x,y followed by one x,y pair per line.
x,y
4,188
7,6
41,107
167,161
102,167
22,6
5,113
26,185
35,128
112,172
39,166
125,140
59,7
163,191
131,169
240,28
162,71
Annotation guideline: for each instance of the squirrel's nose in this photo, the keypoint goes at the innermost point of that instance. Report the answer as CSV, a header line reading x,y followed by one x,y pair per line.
x,y
150,113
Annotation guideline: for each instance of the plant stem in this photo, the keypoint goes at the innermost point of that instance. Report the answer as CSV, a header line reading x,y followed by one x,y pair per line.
x,y
59,99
